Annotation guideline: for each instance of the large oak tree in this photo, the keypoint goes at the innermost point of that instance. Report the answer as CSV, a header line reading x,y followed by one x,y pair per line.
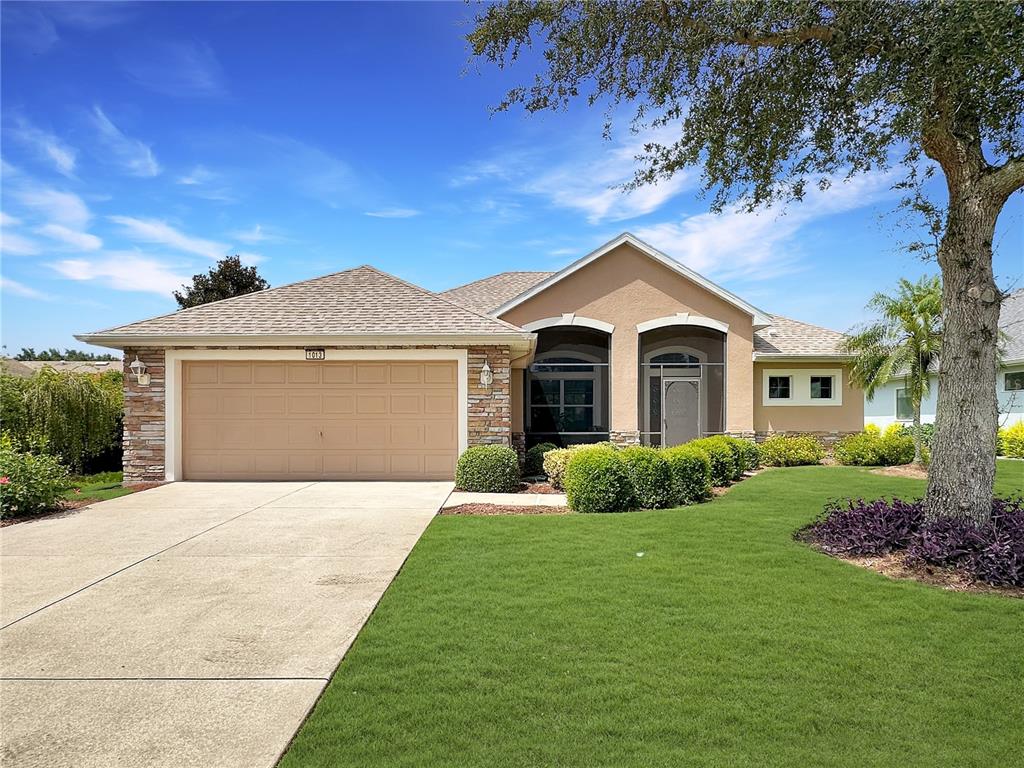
x,y
771,96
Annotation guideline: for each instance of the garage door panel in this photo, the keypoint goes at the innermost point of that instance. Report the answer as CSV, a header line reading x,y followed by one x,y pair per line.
x,y
319,420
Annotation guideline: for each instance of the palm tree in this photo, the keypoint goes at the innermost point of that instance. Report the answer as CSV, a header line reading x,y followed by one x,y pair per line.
x,y
903,344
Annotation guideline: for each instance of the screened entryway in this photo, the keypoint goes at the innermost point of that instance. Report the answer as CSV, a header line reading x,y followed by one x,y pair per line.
x,y
682,384
566,387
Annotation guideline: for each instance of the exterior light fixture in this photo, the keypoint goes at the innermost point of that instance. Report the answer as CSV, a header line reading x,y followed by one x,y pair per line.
x,y
486,375
138,369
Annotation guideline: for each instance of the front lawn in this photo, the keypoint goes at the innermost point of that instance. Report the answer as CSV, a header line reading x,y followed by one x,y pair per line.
x,y
704,636
98,487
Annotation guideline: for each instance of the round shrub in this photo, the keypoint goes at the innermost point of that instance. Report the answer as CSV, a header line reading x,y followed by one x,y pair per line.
x,y
534,464
30,483
650,476
488,469
791,451
896,448
861,450
723,461
555,462
691,473
750,453
596,480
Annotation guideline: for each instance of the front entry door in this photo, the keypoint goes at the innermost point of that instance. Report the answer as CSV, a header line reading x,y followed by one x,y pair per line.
x,y
680,408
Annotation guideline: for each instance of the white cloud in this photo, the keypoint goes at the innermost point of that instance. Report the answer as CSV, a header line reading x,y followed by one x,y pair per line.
x,y
6,220
13,244
393,213
251,259
157,231
254,235
20,289
82,241
123,271
204,183
55,206
179,68
761,243
132,155
198,175
46,145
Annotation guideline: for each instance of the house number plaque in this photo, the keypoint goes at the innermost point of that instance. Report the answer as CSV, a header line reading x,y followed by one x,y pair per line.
x,y
315,354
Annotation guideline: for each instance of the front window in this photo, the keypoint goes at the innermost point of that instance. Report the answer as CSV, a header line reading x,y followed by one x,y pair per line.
x,y
567,387
821,387
904,405
1013,381
780,387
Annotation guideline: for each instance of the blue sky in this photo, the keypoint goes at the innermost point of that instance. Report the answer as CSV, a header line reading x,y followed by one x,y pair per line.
x,y
142,142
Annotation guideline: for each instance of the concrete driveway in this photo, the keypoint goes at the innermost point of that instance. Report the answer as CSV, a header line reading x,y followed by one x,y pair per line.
x,y
193,624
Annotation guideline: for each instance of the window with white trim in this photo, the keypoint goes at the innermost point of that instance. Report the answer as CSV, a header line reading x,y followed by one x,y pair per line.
x,y
780,387
821,387
904,405
1013,381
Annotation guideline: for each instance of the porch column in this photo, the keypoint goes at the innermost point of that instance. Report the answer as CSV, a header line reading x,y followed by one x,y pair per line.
x,y
624,353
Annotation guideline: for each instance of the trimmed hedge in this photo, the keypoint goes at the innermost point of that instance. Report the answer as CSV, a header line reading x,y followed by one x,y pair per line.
x,y
691,473
722,458
596,480
791,451
488,469
534,464
872,449
650,476
30,483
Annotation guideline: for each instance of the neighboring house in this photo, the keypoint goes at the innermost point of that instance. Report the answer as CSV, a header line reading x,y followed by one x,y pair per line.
x,y
362,375
890,405
27,368
13,367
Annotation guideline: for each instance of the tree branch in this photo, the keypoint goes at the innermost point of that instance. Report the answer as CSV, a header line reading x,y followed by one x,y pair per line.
x,y
1006,179
753,39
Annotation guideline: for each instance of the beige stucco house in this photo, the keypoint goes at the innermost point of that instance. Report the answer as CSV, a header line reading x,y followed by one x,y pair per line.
x,y
359,374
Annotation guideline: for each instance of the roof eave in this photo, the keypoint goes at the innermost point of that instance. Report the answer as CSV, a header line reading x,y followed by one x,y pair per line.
x,y
762,357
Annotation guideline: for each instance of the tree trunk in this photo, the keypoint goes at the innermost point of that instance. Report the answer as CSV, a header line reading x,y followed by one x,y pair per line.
x,y
917,432
962,470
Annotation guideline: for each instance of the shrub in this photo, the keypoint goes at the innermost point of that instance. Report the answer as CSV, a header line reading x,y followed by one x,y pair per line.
x,y
555,461
867,527
650,476
488,469
534,464
1011,441
74,415
751,455
30,483
927,433
791,451
691,473
596,480
721,456
873,449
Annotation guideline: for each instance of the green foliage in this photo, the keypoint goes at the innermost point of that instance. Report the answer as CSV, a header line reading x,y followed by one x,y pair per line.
x,y
872,448
791,451
722,457
224,281
488,469
691,473
596,480
749,454
1011,441
74,416
556,461
30,483
54,354
534,464
650,475
927,433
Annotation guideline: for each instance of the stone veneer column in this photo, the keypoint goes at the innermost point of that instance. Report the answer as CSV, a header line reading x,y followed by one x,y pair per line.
x,y
144,418
490,408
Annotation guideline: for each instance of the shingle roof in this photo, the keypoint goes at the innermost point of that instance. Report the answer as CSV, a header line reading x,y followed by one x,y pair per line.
x,y
786,336
360,301
1011,323
491,292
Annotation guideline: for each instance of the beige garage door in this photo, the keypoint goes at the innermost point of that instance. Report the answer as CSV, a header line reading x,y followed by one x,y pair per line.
x,y
319,420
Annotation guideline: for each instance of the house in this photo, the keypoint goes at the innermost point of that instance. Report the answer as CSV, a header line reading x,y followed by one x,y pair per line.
x,y
890,405
361,375
28,368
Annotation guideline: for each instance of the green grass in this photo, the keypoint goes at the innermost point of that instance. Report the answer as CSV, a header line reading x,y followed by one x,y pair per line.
x,y
547,641
98,487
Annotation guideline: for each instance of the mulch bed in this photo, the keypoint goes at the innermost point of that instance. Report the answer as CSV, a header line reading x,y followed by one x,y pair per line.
x,y
537,486
503,509
69,506
915,471
895,566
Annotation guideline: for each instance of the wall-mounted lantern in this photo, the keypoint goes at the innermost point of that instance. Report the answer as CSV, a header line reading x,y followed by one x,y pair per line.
x,y
486,375
138,369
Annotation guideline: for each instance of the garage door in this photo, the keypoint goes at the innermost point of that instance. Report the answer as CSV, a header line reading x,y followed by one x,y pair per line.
x,y
369,420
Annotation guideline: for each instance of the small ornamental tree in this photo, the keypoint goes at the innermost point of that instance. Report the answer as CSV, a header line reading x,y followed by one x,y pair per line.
x,y
770,97
224,281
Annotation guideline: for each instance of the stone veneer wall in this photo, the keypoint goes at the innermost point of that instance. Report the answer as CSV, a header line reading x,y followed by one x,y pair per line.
x,y
144,418
624,437
489,422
